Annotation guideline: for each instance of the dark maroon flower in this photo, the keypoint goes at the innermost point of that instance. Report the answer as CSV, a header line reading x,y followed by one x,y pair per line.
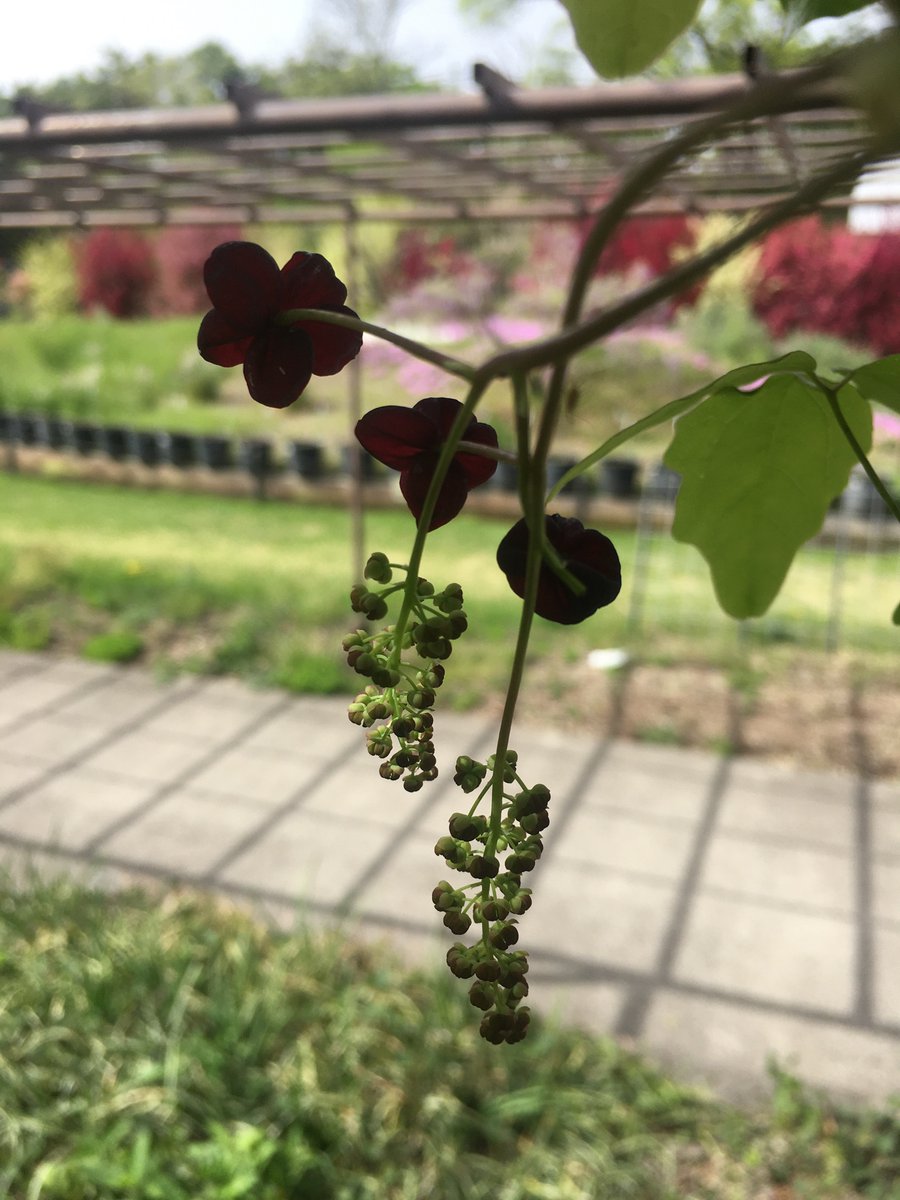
x,y
248,292
588,554
409,440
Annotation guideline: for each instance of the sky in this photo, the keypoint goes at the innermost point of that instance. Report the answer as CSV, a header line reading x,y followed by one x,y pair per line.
x,y
70,36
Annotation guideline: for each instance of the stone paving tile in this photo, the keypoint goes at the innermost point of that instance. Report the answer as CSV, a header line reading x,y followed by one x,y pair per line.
x,y
608,918
21,698
886,889
161,759
400,883
652,790
48,740
825,822
726,1046
354,789
125,698
258,775
885,830
23,867
15,663
783,873
778,778
770,953
69,811
16,774
305,731
601,839
186,833
886,984
203,719
885,792
308,856
590,1005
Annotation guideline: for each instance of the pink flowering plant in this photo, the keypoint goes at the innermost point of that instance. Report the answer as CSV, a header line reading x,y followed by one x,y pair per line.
x,y
760,466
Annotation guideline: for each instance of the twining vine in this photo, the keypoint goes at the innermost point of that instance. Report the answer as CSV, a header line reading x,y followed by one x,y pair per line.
x,y
284,325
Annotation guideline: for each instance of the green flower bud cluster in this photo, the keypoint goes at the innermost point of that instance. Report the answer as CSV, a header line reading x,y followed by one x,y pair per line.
x,y
496,859
395,707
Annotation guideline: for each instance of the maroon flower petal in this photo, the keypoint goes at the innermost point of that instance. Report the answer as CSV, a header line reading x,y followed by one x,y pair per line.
x,y
278,366
477,467
309,281
218,342
243,282
333,347
395,435
415,481
443,411
588,554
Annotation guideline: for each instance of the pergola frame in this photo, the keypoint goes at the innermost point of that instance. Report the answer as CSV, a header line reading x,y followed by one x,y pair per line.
x,y
503,154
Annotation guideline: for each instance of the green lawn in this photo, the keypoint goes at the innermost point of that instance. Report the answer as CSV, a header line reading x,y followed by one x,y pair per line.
x,y
215,584
169,1048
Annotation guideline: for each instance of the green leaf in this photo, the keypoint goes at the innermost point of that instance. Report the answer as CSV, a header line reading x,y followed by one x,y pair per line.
x,y
896,617
796,360
759,471
810,10
622,37
879,381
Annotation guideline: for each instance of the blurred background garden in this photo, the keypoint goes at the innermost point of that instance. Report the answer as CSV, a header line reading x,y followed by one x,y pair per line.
x,y
151,514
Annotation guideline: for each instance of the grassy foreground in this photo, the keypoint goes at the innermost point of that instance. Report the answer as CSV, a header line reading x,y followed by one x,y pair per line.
x,y
169,1048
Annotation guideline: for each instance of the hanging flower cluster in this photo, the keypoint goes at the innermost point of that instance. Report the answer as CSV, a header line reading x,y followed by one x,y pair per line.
x,y
250,321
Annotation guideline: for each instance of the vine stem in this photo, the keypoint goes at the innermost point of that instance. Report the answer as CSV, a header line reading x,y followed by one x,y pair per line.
x,y
453,366
449,448
831,397
534,514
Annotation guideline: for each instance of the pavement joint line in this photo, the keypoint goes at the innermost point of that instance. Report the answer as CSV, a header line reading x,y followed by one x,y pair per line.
x,y
294,801
569,968
863,887
166,789
393,843
633,1015
769,902
15,675
46,710
773,838
107,739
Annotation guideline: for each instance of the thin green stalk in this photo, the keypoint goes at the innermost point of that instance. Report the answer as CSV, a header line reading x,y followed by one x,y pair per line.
x,y
883,492
453,366
449,448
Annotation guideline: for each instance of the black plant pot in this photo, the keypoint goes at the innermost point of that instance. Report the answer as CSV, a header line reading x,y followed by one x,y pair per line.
x,y
662,484
862,499
115,442
85,438
215,453
506,477
557,467
306,459
144,445
178,449
619,477
27,429
368,466
256,457
56,433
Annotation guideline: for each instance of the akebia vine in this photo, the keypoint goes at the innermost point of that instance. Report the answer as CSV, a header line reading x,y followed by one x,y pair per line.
x,y
286,324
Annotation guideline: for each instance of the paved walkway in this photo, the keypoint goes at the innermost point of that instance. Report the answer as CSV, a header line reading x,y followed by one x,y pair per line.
x,y
717,911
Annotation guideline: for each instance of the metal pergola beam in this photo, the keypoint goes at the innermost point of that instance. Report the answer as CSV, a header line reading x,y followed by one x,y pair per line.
x,y
507,154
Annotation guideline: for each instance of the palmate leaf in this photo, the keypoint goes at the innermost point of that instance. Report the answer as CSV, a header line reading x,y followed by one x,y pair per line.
x,y
622,37
759,472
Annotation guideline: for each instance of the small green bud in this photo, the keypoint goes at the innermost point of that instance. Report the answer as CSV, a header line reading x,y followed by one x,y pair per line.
x,y
481,867
424,588
357,594
385,677
457,922
389,770
489,970
421,698
465,827
503,936
480,996
412,783
366,664
378,568
373,607
495,910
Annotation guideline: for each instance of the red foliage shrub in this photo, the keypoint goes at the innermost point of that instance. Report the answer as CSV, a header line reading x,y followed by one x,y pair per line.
x,y
418,257
180,252
115,272
651,241
826,279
